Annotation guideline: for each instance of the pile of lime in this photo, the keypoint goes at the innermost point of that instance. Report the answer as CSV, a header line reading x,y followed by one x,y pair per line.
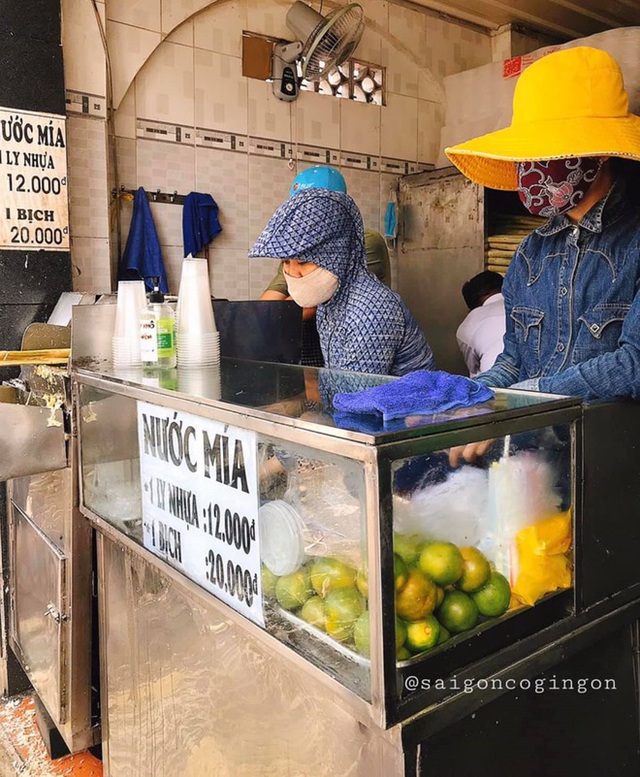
x,y
448,591
441,590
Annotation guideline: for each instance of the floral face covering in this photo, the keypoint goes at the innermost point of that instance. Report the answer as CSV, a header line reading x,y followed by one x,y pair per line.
x,y
553,187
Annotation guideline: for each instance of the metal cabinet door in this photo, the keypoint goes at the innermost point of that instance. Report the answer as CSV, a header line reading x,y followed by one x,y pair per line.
x,y
38,611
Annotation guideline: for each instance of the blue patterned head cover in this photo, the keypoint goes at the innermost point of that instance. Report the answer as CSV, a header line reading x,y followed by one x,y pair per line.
x,y
319,226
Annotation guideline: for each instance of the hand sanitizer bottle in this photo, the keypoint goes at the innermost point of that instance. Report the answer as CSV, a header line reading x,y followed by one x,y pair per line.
x,y
158,331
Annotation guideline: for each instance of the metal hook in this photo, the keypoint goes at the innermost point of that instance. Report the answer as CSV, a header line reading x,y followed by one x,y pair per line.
x,y
156,194
172,197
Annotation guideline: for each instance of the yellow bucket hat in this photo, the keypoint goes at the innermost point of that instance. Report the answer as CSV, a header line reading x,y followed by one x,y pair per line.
x,y
571,103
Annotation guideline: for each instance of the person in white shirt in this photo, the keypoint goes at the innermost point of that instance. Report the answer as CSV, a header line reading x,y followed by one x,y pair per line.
x,y
480,334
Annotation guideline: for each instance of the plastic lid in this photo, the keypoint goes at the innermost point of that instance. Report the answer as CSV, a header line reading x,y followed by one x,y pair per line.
x,y
281,538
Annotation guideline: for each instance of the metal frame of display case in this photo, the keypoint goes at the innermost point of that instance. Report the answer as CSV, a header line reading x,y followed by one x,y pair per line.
x,y
383,710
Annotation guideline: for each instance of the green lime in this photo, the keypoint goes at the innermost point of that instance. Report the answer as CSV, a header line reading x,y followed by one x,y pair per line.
x,y
443,636
458,612
407,546
442,562
417,599
362,634
330,574
494,597
475,570
293,590
403,653
269,581
313,611
422,635
343,608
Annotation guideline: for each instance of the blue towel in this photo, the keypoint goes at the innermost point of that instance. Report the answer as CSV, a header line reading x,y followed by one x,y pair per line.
x,y
199,222
142,257
418,393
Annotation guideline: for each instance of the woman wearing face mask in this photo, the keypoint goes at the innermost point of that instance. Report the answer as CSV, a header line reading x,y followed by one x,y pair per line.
x,y
571,291
573,311
363,326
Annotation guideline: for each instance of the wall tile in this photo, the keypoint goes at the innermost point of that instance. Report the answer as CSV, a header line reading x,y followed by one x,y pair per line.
x,y
360,127
229,273
84,66
430,122
220,92
172,257
139,13
224,175
408,28
168,220
174,12
399,136
269,17
370,47
220,27
91,265
168,167
364,187
261,273
88,188
270,180
430,86
164,86
127,163
125,116
317,120
129,48
268,116
377,14
402,71
183,34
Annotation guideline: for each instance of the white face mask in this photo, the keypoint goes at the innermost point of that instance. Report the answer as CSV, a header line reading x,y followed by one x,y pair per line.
x,y
312,289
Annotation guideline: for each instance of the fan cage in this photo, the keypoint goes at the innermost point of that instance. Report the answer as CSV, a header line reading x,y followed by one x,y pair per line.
x,y
343,30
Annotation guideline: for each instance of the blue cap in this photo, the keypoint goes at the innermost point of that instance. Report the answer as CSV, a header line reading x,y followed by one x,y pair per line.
x,y
320,177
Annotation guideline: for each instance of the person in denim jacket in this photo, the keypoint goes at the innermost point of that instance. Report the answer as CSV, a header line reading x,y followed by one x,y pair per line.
x,y
571,291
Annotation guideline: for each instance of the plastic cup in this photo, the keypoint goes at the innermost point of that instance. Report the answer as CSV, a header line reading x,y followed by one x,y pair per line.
x,y
125,343
194,312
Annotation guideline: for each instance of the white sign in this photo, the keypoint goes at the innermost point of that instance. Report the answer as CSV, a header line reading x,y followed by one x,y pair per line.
x,y
34,206
200,502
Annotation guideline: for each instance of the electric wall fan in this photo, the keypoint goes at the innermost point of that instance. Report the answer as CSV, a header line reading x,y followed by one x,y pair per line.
x,y
322,42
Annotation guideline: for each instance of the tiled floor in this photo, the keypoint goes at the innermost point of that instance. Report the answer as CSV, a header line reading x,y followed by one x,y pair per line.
x,y
22,751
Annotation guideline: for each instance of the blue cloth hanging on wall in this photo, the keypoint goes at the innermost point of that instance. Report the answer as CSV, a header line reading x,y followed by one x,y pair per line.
x,y
142,257
200,222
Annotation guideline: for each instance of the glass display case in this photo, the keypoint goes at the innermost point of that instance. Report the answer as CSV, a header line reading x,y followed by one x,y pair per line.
x,y
383,556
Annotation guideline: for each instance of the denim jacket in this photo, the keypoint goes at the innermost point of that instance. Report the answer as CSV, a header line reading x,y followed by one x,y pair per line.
x,y
573,307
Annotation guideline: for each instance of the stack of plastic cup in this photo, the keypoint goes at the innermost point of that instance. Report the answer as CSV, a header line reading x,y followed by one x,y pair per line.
x,y
125,343
197,338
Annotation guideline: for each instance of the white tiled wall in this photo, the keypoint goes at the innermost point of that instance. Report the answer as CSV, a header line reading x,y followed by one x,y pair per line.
x,y
187,120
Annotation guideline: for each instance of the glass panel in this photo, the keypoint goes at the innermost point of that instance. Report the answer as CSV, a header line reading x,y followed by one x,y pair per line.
x,y
313,541
475,544
312,532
